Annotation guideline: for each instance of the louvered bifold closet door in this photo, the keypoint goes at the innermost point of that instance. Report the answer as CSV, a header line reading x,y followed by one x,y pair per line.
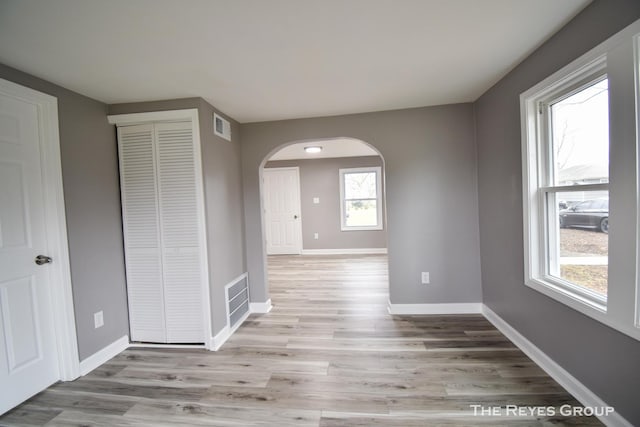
x,y
180,231
141,233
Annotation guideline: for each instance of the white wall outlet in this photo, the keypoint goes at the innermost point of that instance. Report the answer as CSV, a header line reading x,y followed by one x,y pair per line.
x,y
98,319
315,236
425,278
316,200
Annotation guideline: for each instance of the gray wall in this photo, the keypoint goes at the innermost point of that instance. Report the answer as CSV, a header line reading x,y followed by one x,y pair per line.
x,y
601,358
92,204
223,197
432,218
320,178
224,204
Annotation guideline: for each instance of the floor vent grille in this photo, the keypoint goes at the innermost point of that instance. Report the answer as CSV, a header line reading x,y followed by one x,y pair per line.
x,y
238,300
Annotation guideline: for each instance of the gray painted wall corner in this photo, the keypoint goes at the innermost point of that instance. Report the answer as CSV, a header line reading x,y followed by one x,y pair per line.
x,y
222,179
431,183
224,209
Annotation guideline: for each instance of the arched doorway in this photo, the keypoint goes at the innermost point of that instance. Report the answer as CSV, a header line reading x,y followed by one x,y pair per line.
x,y
324,220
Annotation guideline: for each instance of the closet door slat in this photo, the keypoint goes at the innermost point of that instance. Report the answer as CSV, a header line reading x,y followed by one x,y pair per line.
x,y
180,231
142,234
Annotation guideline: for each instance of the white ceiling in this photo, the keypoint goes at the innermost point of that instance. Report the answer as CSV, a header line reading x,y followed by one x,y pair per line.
x,y
336,147
260,60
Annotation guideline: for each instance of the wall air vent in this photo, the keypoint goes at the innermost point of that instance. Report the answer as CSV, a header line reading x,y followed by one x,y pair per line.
x,y
221,127
237,301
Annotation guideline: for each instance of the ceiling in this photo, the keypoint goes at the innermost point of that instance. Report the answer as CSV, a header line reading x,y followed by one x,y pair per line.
x,y
335,147
278,59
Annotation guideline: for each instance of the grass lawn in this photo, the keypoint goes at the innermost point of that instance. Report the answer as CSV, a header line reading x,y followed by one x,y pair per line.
x,y
585,243
593,277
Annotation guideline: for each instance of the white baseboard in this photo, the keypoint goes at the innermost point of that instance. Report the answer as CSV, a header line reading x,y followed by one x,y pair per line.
x,y
220,338
260,307
226,332
158,345
557,372
455,308
102,356
353,251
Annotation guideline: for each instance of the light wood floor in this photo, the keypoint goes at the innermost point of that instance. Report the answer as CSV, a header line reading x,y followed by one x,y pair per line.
x,y
328,354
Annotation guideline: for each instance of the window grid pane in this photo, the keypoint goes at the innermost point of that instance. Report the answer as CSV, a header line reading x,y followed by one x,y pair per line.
x,y
576,219
361,213
360,185
579,127
577,239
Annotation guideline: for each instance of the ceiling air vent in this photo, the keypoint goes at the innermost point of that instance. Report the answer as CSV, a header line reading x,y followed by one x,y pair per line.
x,y
221,127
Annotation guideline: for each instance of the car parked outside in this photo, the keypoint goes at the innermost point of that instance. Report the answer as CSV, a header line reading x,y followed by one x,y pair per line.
x,y
587,214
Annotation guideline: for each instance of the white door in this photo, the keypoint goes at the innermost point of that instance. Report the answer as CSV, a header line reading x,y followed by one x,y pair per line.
x,y
281,193
28,354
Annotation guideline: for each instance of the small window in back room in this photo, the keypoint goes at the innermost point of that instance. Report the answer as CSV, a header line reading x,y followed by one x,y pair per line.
x,y
360,196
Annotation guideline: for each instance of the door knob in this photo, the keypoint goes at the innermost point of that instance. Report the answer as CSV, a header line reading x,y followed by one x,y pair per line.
x,y
295,217
43,259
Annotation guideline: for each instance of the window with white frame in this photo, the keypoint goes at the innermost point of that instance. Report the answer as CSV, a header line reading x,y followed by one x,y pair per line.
x,y
361,198
571,122
567,175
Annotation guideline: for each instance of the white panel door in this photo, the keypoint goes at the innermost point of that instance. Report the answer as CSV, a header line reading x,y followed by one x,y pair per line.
x,y
281,196
141,233
28,354
180,231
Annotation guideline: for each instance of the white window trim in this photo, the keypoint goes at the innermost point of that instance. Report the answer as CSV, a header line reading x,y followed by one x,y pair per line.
x,y
636,75
611,313
343,215
539,158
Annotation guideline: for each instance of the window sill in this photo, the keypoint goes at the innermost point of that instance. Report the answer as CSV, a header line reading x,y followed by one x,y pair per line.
x,y
566,295
583,305
374,228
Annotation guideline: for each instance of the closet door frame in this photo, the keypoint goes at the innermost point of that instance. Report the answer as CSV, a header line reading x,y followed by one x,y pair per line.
x,y
172,116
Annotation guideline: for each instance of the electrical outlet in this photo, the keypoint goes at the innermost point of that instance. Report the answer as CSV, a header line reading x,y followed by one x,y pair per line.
x,y
316,236
98,319
425,278
316,200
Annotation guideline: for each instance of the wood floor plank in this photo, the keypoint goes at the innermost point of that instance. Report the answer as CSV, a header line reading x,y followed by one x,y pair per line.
x,y
150,390
421,419
313,399
61,400
374,385
28,415
80,418
328,354
249,366
207,415
192,377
